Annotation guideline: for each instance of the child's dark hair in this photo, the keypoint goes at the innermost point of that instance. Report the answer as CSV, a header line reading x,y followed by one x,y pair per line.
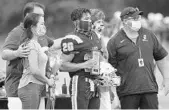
x,y
30,20
78,13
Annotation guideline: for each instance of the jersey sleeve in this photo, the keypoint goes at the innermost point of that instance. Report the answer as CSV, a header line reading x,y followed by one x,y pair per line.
x,y
159,51
12,41
71,44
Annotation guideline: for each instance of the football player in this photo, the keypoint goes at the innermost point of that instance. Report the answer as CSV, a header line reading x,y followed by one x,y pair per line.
x,y
77,59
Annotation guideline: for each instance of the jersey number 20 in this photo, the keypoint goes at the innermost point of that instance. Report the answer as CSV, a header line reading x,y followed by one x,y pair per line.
x,y
68,46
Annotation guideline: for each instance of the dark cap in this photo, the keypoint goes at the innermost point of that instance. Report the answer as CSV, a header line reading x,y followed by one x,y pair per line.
x,y
130,12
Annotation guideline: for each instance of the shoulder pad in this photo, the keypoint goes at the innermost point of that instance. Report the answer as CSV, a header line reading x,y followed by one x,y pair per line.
x,y
70,44
74,37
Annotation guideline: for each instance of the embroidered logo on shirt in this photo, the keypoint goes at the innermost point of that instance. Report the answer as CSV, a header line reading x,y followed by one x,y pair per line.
x,y
122,41
145,38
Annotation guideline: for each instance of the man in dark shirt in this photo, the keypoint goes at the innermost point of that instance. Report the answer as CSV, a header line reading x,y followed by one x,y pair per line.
x,y
13,52
133,51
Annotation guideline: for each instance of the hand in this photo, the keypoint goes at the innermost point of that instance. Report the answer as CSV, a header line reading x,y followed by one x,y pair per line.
x,y
89,94
90,63
23,51
166,85
51,82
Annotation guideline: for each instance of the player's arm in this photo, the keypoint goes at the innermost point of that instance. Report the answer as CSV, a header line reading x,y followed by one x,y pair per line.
x,y
68,66
69,47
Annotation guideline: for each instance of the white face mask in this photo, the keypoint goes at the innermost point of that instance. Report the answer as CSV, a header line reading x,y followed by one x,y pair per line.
x,y
41,30
135,25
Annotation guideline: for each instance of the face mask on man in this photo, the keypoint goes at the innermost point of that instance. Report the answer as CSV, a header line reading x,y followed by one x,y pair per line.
x,y
135,25
84,25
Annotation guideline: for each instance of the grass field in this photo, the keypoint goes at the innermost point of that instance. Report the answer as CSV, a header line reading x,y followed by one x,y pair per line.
x,y
163,100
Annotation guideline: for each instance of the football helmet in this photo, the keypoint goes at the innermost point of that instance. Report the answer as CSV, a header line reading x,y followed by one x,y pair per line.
x,y
107,76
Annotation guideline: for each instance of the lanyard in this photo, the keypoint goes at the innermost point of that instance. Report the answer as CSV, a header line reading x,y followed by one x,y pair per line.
x,y
139,47
140,54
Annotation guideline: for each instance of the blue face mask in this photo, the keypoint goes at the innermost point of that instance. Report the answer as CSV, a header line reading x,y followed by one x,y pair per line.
x,y
84,25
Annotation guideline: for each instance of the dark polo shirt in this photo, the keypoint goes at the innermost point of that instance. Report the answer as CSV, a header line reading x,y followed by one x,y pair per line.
x,y
14,68
124,55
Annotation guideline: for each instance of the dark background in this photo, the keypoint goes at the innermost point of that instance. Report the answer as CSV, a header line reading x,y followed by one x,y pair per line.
x,y
58,12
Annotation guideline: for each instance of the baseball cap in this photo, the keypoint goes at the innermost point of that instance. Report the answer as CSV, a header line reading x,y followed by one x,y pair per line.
x,y
130,12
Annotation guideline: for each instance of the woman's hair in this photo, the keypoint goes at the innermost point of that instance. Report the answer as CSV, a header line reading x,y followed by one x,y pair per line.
x,y
30,20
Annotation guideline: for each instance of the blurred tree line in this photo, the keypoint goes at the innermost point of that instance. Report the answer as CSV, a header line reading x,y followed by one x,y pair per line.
x,y
57,13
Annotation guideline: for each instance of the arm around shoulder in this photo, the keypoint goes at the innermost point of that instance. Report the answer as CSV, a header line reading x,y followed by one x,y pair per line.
x,y
8,54
11,44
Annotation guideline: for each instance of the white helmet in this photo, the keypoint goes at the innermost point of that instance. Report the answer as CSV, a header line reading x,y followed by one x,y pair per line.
x,y
107,76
